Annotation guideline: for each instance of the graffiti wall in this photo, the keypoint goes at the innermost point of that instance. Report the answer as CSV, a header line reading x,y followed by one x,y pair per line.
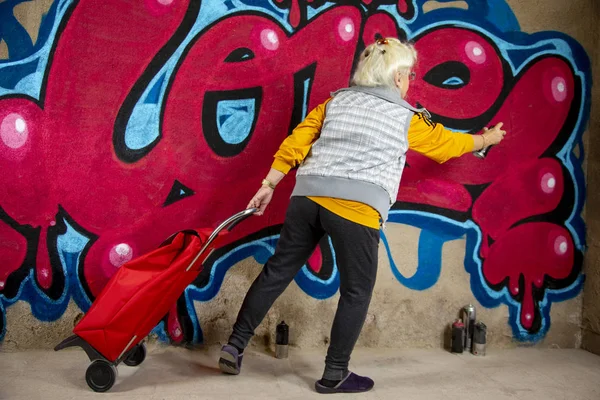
x,y
122,122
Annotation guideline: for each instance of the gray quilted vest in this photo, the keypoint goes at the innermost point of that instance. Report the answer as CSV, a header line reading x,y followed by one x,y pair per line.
x,y
361,151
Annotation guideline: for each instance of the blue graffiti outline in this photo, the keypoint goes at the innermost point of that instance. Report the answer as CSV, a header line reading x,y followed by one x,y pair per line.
x,y
31,83
70,246
486,296
17,40
235,119
44,34
42,307
431,241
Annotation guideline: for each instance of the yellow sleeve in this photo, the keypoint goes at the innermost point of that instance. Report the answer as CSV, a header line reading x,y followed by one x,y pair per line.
x,y
295,147
436,142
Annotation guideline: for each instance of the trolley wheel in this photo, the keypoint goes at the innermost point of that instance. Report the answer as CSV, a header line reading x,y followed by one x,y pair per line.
x,y
101,375
136,356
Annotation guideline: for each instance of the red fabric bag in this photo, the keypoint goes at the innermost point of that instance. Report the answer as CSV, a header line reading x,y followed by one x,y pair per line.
x,y
142,292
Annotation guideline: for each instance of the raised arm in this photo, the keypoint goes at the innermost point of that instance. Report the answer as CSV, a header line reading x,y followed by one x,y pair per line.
x,y
440,144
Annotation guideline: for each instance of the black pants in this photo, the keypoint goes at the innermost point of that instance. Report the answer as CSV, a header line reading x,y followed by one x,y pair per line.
x,y
355,247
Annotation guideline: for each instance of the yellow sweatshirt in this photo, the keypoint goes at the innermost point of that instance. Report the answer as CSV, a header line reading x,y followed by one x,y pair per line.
x,y
435,142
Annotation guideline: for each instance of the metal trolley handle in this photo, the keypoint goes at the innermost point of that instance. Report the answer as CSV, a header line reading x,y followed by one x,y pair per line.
x,y
228,224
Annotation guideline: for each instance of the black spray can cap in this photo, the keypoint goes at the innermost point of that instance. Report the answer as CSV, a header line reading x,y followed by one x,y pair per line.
x,y
282,336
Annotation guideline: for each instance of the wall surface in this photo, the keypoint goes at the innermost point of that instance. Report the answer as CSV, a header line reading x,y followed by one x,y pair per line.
x,y
124,121
591,296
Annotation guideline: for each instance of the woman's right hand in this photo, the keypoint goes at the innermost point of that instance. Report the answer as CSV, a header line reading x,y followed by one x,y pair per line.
x,y
494,136
261,199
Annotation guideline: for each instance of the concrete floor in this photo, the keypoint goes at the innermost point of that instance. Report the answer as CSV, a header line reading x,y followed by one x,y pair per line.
x,y
175,373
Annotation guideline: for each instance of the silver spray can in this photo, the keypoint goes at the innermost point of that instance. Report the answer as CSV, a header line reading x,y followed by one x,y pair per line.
x,y
483,152
479,339
468,318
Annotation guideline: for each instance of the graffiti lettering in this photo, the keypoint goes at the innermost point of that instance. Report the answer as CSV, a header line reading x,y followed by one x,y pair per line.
x,y
175,111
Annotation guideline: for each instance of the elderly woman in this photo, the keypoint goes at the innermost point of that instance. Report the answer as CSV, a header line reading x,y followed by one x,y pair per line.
x,y
351,151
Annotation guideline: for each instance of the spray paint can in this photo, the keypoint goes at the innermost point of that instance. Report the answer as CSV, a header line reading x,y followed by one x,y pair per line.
x,y
468,314
458,336
282,340
483,152
479,339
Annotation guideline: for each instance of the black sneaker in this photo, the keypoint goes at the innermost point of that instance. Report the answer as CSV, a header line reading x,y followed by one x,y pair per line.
x,y
352,383
231,360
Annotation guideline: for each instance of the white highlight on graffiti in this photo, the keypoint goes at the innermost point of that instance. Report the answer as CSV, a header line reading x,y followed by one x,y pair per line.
x,y
560,245
165,2
269,39
20,125
475,52
346,29
13,131
123,249
563,248
2,285
559,88
548,183
120,254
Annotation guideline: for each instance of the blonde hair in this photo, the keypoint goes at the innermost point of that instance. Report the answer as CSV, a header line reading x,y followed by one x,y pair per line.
x,y
380,61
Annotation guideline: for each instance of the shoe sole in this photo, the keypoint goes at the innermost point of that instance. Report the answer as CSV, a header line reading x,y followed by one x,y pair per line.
x,y
327,390
228,364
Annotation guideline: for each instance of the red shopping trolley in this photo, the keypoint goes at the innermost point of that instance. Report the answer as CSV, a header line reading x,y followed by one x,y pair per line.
x,y
137,297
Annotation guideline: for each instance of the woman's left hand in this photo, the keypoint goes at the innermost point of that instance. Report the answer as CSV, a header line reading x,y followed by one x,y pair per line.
x,y
261,199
